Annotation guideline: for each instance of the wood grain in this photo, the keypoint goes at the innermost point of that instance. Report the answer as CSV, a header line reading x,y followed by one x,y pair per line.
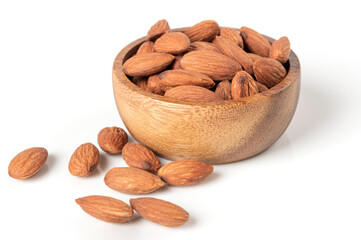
x,y
216,132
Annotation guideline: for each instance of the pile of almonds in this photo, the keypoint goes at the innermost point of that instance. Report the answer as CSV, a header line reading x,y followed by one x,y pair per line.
x,y
145,174
207,62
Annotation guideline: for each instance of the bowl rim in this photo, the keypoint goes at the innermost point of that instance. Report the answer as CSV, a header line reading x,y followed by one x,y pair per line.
x,y
292,75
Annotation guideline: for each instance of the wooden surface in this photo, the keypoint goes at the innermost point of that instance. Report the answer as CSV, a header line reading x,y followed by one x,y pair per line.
x,y
218,132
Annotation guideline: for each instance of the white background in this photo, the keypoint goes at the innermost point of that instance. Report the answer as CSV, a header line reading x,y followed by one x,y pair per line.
x,y
56,92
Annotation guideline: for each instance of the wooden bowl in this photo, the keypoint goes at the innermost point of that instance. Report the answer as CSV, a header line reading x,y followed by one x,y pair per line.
x,y
217,132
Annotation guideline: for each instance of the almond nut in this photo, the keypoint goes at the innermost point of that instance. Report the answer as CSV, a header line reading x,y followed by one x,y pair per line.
x,y
205,46
269,72
84,160
255,42
223,90
138,156
203,31
146,47
192,93
158,29
233,35
153,85
243,85
112,139
280,50
172,42
261,87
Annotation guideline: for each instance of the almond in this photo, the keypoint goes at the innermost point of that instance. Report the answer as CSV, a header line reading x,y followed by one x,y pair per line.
x,y
158,29
174,78
185,172
153,85
206,46
172,42
147,64
192,93
176,63
132,180
223,90
112,139
138,156
146,47
255,42
243,85
203,31
84,160
232,50
233,35
268,71
160,211
27,163
261,87
141,82
106,208
280,50
215,65
254,56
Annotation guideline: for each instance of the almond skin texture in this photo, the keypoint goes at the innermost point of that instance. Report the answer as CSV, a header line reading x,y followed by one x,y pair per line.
x,y
146,47
160,211
254,56
215,65
158,29
232,50
269,72
141,82
185,172
255,42
112,139
27,163
106,208
138,156
203,31
153,85
243,85
132,180
147,64
174,78
223,90
172,42
261,87
205,46
233,35
84,160
280,50
192,93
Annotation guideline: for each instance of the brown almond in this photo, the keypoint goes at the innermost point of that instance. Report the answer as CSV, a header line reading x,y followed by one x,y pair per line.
x,y
261,87
269,72
215,65
255,42
233,35
146,47
254,56
203,46
147,64
172,42
138,156
203,31
179,77
132,180
176,63
185,172
153,85
159,211
192,93
27,163
243,85
223,90
141,82
84,160
280,50
232,50
112,139
106,208
158,29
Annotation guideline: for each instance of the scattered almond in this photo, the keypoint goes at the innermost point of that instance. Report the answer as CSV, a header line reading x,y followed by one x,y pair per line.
x,y
192,93
112,139
84,160
203,31
106,208
160,211
132,180
158,29
243,85
172,42
138,156
280,50
223,90
255,42
27,163
269,72
185,172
